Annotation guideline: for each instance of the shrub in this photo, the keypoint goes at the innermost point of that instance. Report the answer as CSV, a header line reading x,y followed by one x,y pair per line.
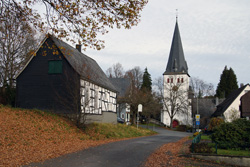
x,y
195,134
215,122
203,147
235,135
182,128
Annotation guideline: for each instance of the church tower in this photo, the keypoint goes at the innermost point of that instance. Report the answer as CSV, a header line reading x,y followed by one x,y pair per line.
x,y
176,107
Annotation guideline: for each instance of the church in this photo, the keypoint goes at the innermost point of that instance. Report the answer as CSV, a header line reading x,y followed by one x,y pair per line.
x,y
176,102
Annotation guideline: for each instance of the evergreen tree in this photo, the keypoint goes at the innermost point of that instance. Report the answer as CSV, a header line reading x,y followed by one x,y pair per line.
x,y
227,84
147,81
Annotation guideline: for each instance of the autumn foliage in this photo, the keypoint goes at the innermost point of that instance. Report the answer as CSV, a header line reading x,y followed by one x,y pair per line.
x,y
215,122
32,136
77,20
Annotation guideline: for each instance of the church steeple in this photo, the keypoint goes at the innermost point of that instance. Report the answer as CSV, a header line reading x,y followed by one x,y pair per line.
x,y
176,61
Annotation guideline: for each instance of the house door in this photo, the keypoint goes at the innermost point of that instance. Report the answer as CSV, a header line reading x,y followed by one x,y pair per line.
x,y
175,123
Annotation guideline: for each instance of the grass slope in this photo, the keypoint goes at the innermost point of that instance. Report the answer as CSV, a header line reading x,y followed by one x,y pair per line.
x,y
32,135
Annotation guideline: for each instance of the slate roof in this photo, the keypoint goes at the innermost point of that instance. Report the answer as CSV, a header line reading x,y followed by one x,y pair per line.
x,y
176,61
85,66
121,84
222,107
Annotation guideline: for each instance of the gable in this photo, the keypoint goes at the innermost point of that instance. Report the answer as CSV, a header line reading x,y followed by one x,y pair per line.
x,y
85,66
232,101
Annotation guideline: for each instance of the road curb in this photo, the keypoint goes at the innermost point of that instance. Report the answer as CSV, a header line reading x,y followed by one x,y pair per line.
x,y
227,159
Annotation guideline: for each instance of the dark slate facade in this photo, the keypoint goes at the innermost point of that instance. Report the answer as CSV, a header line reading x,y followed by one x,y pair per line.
x,y
53,74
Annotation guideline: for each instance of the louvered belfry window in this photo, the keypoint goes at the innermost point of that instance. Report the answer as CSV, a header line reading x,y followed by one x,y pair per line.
x,y
55,66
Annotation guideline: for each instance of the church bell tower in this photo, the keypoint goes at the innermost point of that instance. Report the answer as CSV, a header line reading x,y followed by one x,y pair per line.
x,y
176,107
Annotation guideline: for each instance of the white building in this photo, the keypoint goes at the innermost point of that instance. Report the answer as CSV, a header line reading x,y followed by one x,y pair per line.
x,y
229,109
176,86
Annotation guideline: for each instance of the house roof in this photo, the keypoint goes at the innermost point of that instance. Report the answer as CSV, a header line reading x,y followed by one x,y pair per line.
x,y
85,66
222,107
176,61
122,85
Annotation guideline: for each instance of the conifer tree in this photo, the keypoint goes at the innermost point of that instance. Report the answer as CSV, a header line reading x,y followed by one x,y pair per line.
x,y
147,81
227,84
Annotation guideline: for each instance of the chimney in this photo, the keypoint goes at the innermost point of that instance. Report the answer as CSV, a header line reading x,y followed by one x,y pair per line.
x,y
79,47
241,85
216,101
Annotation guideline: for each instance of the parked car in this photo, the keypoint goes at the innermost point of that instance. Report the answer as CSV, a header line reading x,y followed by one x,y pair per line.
x,y
120,120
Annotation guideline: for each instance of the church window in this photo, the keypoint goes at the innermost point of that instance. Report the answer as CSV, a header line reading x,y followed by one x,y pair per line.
x,y
178,80
171,80
168,80
182,80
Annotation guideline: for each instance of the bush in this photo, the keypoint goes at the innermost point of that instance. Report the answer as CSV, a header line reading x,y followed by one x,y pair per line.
x,y
203,147
215,122
181,128
195,134
235,135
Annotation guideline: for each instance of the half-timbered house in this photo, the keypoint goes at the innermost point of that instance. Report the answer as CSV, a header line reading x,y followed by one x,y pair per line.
x,y
61,79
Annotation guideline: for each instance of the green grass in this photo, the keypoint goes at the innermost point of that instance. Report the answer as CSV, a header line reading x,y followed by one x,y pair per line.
x,y
152,124
99,131
205,137
227,152
233,152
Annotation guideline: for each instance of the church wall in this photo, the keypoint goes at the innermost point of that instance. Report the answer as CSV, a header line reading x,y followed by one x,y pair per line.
x,y
182,82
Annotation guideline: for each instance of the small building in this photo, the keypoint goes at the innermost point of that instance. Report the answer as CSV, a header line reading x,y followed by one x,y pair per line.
x,y
61,79
123,108
229,109
245,105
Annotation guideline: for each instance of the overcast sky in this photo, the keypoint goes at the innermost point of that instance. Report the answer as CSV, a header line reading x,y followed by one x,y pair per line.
x,y
214,33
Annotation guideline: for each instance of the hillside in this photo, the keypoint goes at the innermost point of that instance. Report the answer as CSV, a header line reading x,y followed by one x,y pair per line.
x,y
32,135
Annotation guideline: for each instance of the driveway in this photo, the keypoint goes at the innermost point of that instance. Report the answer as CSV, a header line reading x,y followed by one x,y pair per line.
x,y
126,153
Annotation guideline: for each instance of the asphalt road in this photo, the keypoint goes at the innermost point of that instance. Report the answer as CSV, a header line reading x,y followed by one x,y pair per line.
x,y
127,153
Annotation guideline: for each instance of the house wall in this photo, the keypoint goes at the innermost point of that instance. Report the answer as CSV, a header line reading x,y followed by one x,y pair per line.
x,y
233,111
245,105
124,111
96,99
182,118
36,88
105,117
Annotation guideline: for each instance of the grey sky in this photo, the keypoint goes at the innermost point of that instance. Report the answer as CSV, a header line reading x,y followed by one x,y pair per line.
x,y
214,33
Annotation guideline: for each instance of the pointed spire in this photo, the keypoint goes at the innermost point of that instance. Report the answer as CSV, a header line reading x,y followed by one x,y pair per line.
x,y
176,15
176,61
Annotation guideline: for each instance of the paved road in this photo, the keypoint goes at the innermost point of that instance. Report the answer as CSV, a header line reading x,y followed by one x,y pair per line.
x,y
127,153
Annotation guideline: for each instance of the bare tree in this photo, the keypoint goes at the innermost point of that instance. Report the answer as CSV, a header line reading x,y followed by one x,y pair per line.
x,y
135,75
116,71
17,42
151,104
133,94
174,97
201,88
74,99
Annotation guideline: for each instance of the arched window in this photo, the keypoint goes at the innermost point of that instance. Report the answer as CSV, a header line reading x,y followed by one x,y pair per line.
x,y
171,80
178,80
168,80
182,80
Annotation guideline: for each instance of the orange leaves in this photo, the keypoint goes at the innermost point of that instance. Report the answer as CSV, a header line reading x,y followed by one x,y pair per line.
x,y
31,136
167,155
72,16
